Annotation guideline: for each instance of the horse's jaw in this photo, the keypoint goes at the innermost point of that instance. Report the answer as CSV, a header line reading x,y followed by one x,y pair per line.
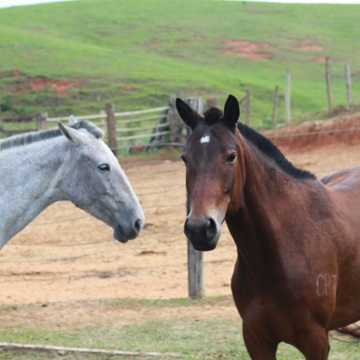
x,y
125,222
119,235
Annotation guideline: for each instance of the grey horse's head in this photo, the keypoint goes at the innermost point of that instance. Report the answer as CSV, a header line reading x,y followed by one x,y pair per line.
x,y
95,182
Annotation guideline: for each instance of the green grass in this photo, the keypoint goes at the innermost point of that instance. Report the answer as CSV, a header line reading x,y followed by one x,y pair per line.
x,y
139,53
194,338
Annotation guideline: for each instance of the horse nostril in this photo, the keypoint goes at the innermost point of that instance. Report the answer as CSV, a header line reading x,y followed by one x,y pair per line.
x,y
137,225
211,229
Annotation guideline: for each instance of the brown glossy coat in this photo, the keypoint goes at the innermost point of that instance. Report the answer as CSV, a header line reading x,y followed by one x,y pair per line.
x,y
297,274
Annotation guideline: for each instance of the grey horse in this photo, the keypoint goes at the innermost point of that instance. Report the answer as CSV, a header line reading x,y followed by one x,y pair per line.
x,y
70,163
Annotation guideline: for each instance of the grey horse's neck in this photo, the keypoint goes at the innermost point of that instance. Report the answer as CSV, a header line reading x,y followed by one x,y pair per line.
x,y
30,176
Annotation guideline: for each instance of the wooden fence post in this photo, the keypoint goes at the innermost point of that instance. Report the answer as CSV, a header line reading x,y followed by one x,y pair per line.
x,y
212,102
41,120
196,279
275,109
287,96
195,258
247,106
328,84
102,120
175,126
111,125
348,85
195,268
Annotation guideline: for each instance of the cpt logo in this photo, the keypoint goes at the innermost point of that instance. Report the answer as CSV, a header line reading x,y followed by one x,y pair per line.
x,y
323,284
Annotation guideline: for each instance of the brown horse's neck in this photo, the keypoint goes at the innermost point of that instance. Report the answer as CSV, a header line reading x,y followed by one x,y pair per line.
x,y
260,224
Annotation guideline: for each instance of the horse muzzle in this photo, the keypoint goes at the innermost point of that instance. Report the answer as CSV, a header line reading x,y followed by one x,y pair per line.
x,y
128,232
203,234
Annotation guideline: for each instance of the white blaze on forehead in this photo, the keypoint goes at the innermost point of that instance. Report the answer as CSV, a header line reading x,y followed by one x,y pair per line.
x,y
205,139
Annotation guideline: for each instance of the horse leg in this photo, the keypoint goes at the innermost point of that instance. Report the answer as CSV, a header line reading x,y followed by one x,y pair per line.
x,y
257,347
314,344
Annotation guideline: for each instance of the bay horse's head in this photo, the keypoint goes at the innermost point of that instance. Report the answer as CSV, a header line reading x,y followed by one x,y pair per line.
x,y
213,169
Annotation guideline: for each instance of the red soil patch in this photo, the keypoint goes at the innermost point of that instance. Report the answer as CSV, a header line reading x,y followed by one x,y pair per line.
x,y
58,86
306,46
251,50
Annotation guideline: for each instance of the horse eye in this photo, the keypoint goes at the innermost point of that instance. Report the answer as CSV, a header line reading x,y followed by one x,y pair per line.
x,y
104,167
231,158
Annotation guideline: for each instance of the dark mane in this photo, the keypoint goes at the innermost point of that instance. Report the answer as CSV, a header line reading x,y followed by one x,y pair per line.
x,y
268,148
29,138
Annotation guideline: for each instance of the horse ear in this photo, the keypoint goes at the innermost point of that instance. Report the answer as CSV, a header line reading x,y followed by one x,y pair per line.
x,y
231,112
72,120
71,134
189,116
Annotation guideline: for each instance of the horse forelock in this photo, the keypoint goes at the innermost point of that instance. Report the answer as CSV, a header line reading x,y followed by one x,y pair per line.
x,y
36,136
213,116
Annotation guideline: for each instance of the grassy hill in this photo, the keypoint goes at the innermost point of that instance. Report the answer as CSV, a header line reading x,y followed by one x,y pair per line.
x,y
139,53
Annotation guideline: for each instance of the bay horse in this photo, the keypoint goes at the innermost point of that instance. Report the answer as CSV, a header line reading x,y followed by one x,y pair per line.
x,y
70,163
297,273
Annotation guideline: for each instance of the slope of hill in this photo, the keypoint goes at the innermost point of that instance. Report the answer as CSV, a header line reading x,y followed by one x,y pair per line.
x,y
73,57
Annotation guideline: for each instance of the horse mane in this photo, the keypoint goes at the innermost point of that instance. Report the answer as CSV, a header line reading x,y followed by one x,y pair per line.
x,y
214,115
268,148
36,136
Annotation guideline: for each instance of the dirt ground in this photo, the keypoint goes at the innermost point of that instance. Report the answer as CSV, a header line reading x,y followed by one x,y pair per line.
x,y
65,255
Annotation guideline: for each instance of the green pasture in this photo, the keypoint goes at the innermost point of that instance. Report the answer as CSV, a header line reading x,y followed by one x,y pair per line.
x,y
139,53
192,337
